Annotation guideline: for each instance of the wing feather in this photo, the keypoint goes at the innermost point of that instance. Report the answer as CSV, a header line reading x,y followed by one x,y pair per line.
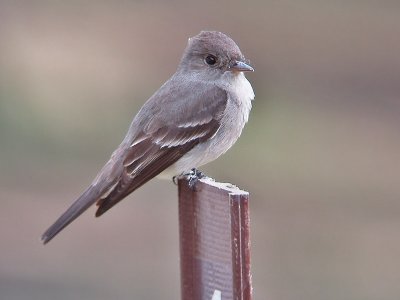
x,y
163,142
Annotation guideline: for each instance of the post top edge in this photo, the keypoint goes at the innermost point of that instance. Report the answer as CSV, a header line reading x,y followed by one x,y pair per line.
x,y
229,187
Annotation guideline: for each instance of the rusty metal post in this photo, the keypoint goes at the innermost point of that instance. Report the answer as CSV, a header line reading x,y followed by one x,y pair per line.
x,y
214,241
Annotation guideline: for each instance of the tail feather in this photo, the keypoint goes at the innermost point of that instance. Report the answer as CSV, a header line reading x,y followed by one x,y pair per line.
x,y
89,197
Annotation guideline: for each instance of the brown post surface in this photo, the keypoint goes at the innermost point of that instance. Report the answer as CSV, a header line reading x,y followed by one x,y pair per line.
x,y
214,241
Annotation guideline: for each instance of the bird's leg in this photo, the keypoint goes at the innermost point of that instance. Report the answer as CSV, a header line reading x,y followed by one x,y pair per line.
x,y
193,176
199,174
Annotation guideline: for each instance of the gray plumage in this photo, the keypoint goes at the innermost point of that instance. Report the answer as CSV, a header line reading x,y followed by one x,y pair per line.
x,y
196,116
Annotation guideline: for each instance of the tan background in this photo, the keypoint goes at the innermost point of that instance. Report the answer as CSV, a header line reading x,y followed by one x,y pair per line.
x,y
320,154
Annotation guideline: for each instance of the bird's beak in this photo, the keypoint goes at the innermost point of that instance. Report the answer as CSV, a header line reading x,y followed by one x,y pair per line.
x,y
240,66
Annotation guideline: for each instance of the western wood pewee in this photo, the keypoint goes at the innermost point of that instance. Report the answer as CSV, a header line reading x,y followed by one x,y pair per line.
x,y
196,116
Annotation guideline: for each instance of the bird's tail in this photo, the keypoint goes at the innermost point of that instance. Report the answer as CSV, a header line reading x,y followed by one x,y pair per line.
x,y
89,197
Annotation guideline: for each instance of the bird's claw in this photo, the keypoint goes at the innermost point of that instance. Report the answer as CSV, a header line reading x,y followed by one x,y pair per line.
x,y
193,176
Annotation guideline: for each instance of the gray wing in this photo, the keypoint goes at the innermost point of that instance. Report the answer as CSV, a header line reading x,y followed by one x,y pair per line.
x,y
164,130
171,130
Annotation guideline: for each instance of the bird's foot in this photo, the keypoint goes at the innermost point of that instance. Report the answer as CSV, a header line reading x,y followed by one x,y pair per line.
x,y
193,176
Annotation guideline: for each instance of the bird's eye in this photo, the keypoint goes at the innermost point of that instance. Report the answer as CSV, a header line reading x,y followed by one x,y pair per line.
x,y
210,60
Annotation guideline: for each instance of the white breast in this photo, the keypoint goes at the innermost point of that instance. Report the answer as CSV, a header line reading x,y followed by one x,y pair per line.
x,y
241,87
240,95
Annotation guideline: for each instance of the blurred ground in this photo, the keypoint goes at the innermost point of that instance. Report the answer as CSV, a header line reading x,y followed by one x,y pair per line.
x,y
320,155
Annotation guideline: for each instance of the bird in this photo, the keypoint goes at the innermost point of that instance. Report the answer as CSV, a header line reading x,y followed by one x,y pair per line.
x,y
192,119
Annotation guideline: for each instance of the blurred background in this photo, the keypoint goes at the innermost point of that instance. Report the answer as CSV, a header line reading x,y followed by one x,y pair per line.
x,y
320,155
